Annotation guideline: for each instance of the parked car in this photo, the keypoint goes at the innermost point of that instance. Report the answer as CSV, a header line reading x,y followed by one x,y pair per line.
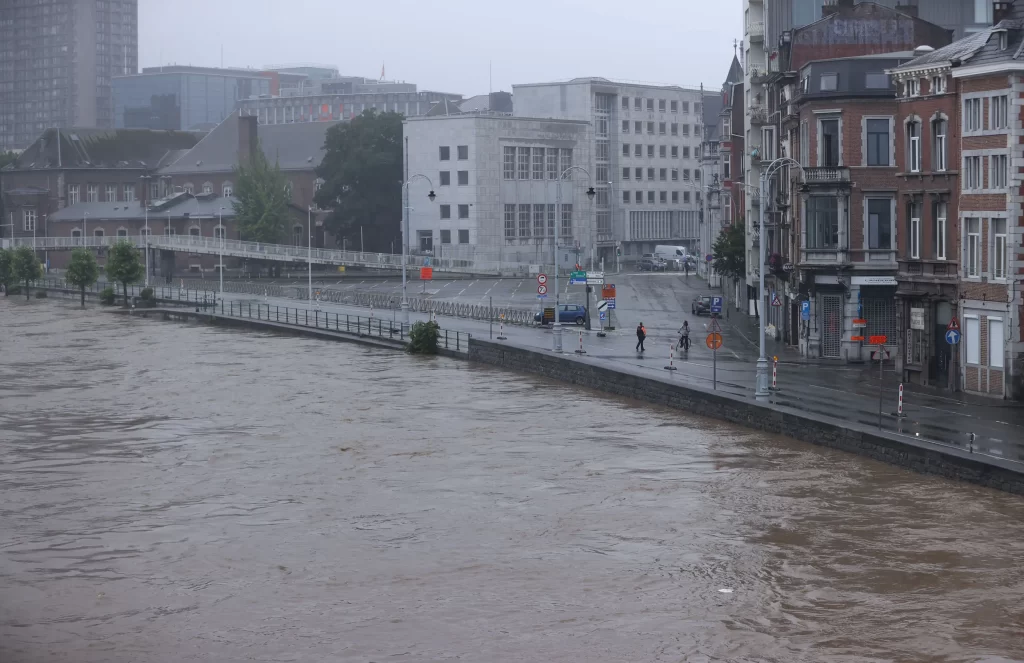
x,y
650,263
701,305
573,313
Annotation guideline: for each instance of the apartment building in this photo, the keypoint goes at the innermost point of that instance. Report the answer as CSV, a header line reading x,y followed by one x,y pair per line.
x,y
644,160
499,188
57,60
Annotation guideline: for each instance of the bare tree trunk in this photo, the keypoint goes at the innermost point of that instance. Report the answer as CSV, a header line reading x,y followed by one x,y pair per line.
x,y
83,294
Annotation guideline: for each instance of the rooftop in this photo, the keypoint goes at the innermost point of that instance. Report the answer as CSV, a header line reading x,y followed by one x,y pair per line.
x,y
103,148
597,80
180,206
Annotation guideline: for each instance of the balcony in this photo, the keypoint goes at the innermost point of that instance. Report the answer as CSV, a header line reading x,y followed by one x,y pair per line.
x,y
826,176
758,74
758,115
755,32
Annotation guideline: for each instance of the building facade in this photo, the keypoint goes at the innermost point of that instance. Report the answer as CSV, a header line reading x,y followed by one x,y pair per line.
x,y
334,107
185,98
498,187
644,161
57,62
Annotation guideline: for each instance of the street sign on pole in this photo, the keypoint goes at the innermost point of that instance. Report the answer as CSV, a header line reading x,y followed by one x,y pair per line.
x,y
542,279
426,273
954,324
714,341
577,278
716,304
602,306
708,257
542,289
952,336
775,299
805,310
877,340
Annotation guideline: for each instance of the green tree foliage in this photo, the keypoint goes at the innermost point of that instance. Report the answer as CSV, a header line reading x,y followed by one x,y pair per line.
x,y
82,270
729,253
6,269
124,266
261,205
26,266
423,338
362,173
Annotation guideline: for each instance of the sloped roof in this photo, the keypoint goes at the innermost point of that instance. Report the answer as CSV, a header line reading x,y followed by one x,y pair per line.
x,y
713,106
112,211
735,74
962,50
102,148
298,146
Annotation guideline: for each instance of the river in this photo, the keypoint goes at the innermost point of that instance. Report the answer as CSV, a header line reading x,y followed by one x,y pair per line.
x,y
175,493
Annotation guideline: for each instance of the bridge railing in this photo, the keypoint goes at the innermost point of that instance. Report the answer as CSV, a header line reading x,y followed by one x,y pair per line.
x,y
339,322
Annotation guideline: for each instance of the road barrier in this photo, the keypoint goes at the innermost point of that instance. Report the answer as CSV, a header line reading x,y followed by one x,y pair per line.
x,y
671,359
581,351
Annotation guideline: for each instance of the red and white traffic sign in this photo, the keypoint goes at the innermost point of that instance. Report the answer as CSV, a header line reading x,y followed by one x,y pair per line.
x,y
542,279
542,289
954,324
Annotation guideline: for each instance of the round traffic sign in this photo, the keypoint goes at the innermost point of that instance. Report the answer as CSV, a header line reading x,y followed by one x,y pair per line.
x,y
542,278
542,289
714,340
952,336
708,257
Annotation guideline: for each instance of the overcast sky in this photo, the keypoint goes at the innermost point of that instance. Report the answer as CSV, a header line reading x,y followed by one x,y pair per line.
x,y
446,45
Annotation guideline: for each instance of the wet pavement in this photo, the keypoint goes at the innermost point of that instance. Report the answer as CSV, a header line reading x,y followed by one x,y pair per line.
x,y
174,492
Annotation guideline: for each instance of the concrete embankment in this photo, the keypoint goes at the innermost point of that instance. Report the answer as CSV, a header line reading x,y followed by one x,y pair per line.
x,y
847,436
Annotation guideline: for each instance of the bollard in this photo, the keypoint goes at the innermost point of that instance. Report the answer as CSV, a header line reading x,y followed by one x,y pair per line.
x,y
501,330
671,360
899,405
775,373
581,351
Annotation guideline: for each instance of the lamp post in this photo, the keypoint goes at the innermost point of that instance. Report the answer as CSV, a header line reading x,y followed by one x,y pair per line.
x,y
85,229
220,223
556,327
309,250
405,242
761,374
145,210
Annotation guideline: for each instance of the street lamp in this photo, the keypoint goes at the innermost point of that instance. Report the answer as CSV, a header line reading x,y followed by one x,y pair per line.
x,y
405,243
221,270
309,250
145,210
85,229
556,328
761,375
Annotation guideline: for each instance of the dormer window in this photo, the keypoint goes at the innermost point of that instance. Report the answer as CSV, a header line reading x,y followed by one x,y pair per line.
x,y
938,84
912,87
1003,39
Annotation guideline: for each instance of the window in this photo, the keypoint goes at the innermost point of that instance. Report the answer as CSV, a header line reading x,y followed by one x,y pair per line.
x,y
566,163
915,231
169,230
805,145
446,178
878,142
940,231
638,104
446,236
938,84
462,152
879,223
972,173
650,174
876,80
625,173
650,105
661,105
829,82
675,151
674,106
662,151
650,128
625,103
675,174
686,106
998,227
972,114
639,174
625,149
686,174
524,221
227,190
663,174
675,129
912,87
639,197
98,232
661,128
686,196
509,163
446,211
190,188
998,174
768,144
726,170
566,230
463,236
444,153
463,211
524,163
625,197
207,187
650,197
914,146
218,232
663,197
972,338
111,193
686,152
675,197
510,221
552,163
93,193
537,175
998,112
650,151
939,144
828,149
625,126
28,219
638,150
154,190
538,166
972,261
638,128
822,222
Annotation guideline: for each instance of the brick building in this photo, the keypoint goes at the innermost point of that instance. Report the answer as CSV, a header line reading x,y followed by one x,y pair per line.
x,y
928,235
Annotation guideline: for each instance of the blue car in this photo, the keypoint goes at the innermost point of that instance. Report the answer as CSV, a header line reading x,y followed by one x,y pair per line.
x,y
571,313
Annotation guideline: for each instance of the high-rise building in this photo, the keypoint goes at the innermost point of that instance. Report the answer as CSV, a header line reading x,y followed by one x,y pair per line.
x,y
57,59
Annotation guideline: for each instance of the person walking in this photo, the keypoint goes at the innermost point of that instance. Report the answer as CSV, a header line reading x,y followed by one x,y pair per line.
x,y
641,334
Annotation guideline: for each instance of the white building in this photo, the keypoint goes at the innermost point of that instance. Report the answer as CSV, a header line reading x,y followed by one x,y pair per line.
x,y
496,180
643,159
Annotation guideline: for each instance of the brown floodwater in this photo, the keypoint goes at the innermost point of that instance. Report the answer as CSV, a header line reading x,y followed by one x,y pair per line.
x,y
178,493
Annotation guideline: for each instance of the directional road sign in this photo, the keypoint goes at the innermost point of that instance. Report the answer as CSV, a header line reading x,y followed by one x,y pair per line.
x,y
716,304
952,336
577,278
805,310
542,279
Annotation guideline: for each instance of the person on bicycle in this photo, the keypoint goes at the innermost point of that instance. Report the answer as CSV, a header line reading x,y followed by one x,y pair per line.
x,y
684,335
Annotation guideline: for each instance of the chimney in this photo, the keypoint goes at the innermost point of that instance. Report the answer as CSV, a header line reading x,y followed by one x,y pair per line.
x,y
1001,10
247,138
830,7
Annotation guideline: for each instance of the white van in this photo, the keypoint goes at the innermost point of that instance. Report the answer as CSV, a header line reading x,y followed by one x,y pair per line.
x,y
675,256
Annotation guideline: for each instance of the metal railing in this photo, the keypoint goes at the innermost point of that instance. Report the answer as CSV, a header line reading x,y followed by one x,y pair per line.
x,y
825,174
188,295
338,322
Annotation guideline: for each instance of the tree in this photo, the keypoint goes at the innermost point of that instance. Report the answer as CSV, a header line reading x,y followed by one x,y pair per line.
x,y
25,266
82,270
729,252
6,268
362,173
261,205
124,265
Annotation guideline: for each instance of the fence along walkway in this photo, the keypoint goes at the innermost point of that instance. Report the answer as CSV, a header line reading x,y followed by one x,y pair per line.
x,y
383,301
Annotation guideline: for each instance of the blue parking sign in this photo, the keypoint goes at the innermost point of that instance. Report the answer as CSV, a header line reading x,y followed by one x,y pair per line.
x,y
805,310
716,304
